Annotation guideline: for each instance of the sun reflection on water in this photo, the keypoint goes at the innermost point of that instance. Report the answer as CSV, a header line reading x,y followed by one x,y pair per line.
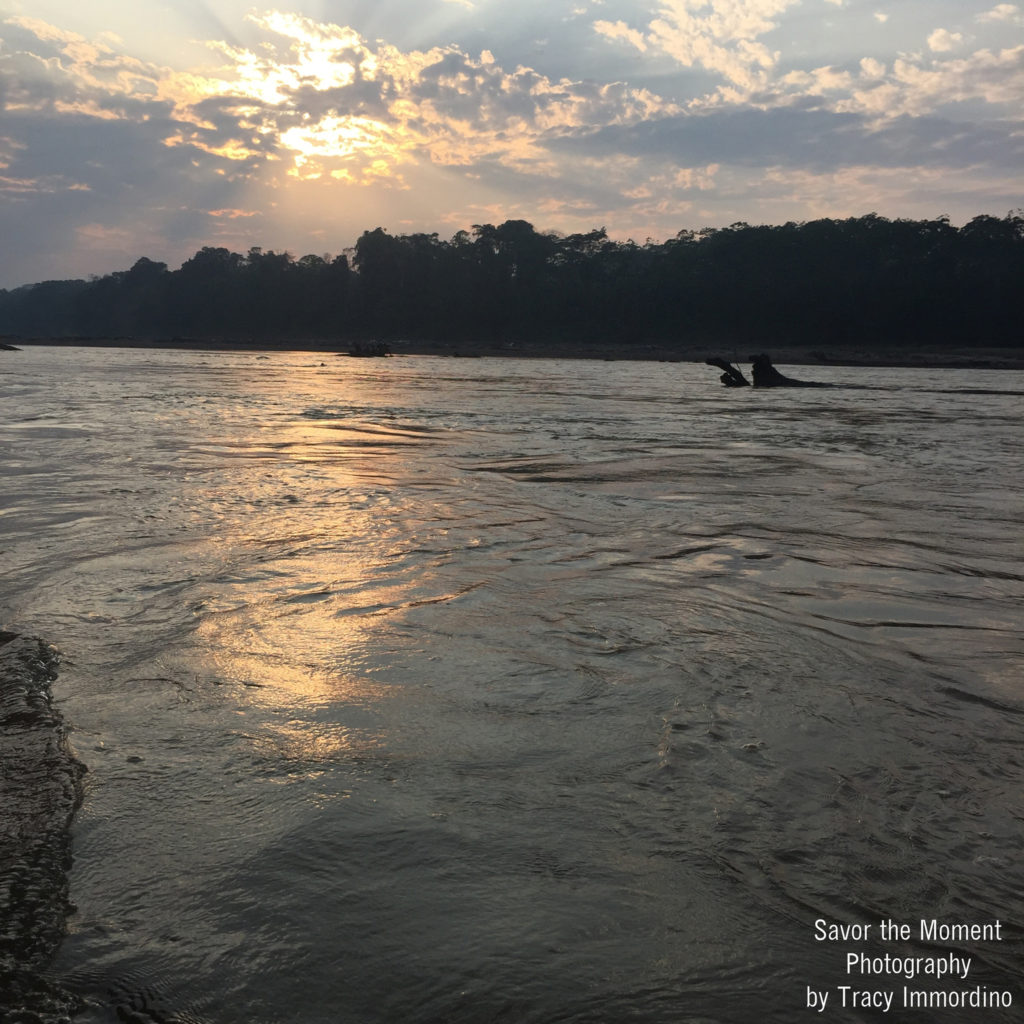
x,y
318,555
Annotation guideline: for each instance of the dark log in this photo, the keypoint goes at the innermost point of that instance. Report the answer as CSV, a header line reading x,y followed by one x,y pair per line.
x,y
766,376
732,378
764,373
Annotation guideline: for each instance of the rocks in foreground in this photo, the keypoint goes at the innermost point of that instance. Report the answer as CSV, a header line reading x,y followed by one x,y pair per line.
x,y
40,790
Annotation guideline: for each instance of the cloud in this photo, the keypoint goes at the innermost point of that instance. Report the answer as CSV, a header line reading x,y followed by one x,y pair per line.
x,y
323,101
337,105
317,101
791,137
620,30
293,126
235,214
851,191
1001,12
995,79
93,135
781,164
871,69
728,38
942,41
720,36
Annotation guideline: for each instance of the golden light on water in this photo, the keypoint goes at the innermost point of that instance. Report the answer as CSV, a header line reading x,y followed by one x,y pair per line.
x,y
311,585
281,704
284,655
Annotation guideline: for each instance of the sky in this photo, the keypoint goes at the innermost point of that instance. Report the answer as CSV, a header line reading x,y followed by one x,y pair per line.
x,y
161,126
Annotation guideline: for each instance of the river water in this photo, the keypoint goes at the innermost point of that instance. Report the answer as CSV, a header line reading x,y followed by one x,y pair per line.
x,y
544,691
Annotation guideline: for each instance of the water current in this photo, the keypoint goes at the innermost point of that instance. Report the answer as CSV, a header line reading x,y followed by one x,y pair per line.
x,y
484,690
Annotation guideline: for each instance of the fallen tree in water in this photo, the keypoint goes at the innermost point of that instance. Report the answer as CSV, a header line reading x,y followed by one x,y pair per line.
x,y
732,377
763,372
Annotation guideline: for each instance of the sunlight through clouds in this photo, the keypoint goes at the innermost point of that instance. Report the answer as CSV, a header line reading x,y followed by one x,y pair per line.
x,y
631,115
322,57
339,138
335,106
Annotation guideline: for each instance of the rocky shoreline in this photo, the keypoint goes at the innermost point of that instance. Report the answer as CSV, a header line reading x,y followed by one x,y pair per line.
x,y
40,790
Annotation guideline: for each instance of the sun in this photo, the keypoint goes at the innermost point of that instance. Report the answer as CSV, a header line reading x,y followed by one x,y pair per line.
x,y
319,146
297,93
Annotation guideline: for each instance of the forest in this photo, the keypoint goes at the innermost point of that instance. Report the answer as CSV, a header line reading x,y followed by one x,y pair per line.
x,y
865,280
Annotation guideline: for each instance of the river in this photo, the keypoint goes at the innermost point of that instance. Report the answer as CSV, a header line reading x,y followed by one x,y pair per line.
x,y
522,691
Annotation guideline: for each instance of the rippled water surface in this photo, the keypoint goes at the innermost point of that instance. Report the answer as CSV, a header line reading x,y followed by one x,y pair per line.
x,y
487,690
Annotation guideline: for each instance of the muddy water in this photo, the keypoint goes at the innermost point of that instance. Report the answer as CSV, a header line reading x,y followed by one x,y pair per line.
x,y
526,691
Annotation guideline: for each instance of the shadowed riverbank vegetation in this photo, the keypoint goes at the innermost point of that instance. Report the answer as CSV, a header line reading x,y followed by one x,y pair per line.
x,y
861,283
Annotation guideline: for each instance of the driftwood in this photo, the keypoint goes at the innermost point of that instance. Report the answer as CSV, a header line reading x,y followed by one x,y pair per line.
x,y
763,372
732,378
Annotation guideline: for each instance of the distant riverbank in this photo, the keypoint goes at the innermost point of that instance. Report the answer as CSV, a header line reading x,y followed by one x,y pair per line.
x,y
964,357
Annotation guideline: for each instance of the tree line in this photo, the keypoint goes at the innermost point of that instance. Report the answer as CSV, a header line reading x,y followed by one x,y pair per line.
x,y
859,280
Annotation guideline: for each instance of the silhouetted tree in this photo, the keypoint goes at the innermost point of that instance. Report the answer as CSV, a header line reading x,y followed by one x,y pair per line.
x,y
862,279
